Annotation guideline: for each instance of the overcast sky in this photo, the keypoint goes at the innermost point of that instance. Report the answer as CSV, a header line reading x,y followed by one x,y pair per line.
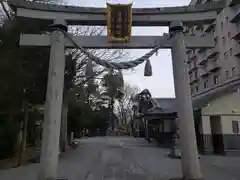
x,y
161,83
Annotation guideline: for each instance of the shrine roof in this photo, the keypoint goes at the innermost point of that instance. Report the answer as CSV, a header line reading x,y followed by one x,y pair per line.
x,y
163,106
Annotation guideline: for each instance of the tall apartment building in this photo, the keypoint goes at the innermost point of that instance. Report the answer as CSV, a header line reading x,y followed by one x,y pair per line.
x,y
211,70
211,67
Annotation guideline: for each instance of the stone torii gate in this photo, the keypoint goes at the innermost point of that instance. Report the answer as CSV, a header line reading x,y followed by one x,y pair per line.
x,y
61,16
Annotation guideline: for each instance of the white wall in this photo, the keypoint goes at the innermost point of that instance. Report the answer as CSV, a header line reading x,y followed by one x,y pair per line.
x,y
225,105
228,107
227,124
206,127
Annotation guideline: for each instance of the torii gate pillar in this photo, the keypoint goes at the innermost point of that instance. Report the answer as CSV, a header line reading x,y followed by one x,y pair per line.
x,y
53,106
190,161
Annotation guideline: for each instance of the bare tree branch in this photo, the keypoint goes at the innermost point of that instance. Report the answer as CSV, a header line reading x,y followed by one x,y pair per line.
x,y
124,105
91,77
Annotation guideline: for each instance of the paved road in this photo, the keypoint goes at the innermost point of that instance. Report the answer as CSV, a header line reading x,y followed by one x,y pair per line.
x,y
126,158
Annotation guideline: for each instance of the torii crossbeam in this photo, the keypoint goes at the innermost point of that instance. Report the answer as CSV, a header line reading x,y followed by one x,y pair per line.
x,y
101,42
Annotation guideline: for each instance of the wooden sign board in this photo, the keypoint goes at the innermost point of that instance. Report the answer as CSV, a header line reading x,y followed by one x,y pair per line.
x,y
119,22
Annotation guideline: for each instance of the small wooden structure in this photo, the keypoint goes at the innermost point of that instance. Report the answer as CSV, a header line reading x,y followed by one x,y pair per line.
x,y
155,118
160,121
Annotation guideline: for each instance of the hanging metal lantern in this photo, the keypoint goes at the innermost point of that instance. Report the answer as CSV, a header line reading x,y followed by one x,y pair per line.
x,y
119,21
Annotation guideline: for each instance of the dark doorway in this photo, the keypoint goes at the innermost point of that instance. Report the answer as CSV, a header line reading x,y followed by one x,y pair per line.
x,y
198,130
217,136
199,137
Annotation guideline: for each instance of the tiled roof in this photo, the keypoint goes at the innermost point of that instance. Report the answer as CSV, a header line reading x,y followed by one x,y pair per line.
x,y
163,105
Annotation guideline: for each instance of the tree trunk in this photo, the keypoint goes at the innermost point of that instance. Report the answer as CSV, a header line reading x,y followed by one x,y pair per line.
x,y
123,114
111,114
24,133
63,133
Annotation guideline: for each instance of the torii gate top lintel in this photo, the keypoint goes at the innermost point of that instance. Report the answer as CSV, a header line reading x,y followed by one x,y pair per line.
x,y
213,6
190,15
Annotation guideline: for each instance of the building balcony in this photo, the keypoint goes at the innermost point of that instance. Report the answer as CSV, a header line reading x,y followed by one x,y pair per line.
x,y
206,1
208,54
236,51
193,79
211,53
213,66
198,30
188,51
200,50
236,32
235,14
209,28
203,72
192,56
203,60
192,68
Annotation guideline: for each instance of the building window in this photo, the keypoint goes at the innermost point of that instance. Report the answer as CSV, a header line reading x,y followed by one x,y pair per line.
x,y
227,74
235,127
221,25
196,74
216,80
225,56
190,77
196,89
223,40
191,90
230,51
206,84
195,63
233,71
226,18
215,41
